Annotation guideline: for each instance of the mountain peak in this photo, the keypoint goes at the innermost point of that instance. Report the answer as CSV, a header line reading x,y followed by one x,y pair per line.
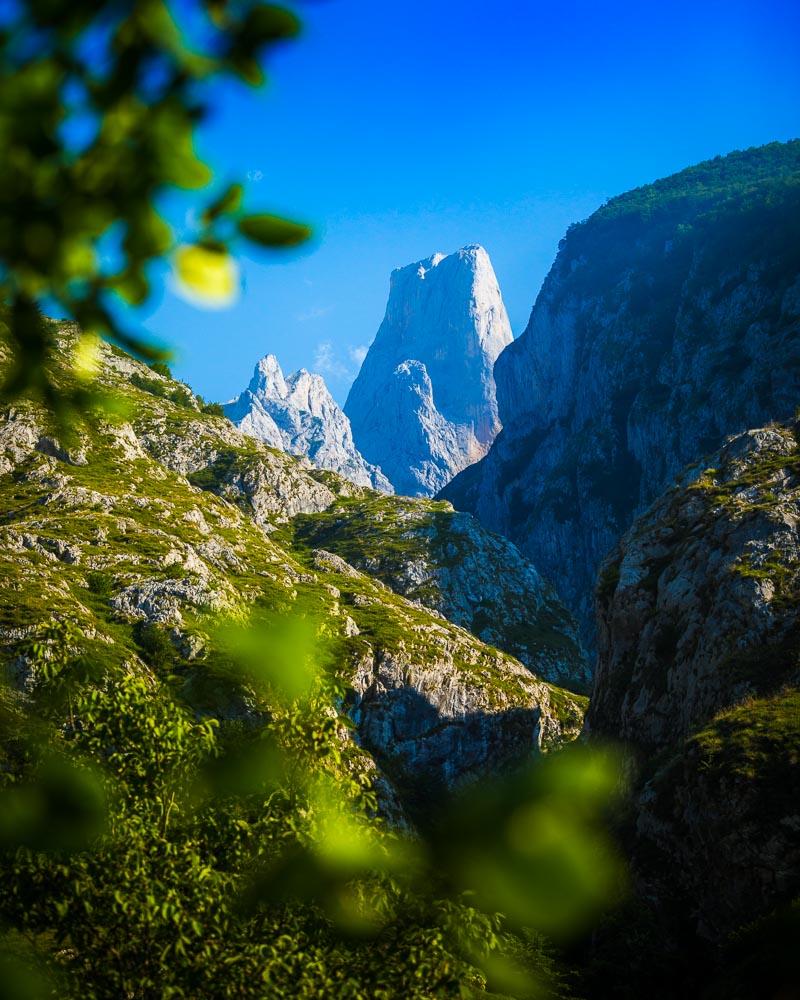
x,y
297,414
473,253
268,378
446,314
471,257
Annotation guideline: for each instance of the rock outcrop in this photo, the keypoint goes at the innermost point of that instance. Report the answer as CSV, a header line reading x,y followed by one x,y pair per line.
x,y
699,674
669,320
423,405
447,562
298,415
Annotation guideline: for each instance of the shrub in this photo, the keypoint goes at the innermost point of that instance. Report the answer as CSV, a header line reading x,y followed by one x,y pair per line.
x,y
214,409
99,583
154,645
181,394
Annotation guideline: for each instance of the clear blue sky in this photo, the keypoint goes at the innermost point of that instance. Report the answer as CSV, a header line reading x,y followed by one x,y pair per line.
x,y
402,128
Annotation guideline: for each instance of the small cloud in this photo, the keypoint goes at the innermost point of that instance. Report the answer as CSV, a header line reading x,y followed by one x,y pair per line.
x,y
358,353
326,362
316,312
255,175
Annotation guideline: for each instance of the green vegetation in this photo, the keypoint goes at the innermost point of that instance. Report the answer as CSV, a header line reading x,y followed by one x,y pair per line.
x,y
182,395
376,530
756,487
751,750
99,583
737,175
159,879
756,742
213,409
719,214
214,476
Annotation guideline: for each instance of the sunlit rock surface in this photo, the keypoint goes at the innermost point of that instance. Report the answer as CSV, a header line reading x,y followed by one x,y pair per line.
x,y
298,415
423,406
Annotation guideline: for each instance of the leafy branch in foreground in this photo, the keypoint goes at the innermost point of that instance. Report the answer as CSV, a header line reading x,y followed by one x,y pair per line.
x,y
98,107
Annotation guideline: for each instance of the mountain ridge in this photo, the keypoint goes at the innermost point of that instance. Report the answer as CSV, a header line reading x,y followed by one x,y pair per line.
x,y
170,517
670,319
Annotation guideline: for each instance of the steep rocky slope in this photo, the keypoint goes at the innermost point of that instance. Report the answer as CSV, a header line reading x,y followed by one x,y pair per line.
x,y
699,673
163,518
298,415
670,319
446,561
423,405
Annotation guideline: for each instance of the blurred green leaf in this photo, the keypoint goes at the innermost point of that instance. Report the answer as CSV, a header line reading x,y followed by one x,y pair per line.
x,y
86,357
506,977
272,231
61,808
21,980
149,82
281,655
229,201
534,846
269,23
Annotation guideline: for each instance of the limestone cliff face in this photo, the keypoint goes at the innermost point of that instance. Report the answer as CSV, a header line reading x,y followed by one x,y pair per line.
x,y
699,674
298,415
670,319
175,517
423,405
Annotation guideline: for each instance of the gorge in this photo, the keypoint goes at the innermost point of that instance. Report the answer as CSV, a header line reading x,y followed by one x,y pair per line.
x,y
641,501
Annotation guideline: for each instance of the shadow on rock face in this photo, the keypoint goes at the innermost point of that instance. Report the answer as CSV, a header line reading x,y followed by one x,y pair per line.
x,y
428,756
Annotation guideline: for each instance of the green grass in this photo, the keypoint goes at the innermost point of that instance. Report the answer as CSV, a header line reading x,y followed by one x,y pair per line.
x,y
750,752
756,742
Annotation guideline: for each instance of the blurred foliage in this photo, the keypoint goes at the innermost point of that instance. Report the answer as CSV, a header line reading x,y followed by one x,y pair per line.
x,y
148,849
98,107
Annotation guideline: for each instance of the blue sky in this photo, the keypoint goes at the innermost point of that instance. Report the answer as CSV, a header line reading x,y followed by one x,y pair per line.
x,y
402,128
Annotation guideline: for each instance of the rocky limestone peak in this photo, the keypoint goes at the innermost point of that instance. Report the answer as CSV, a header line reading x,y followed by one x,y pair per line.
x,y
298,415
308,391
268,378
445,325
